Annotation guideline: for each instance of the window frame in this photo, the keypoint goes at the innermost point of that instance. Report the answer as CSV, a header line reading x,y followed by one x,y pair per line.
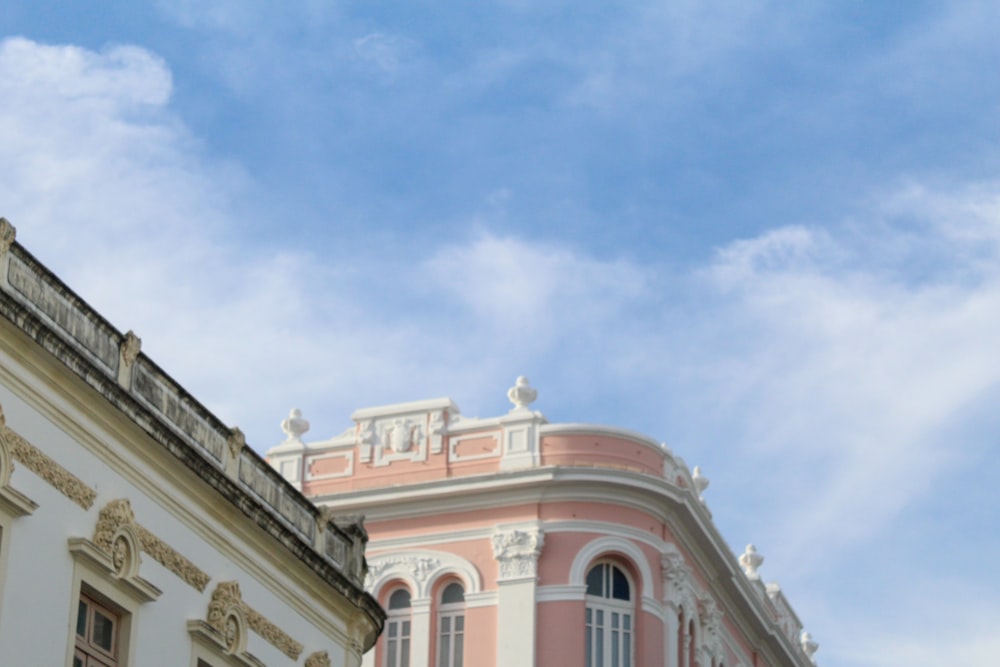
x,y
607,608
399,620
85,645
94,576
454,613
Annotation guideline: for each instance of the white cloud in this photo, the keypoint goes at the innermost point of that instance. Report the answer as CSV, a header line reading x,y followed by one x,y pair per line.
x,y
860,356
836,357
533,290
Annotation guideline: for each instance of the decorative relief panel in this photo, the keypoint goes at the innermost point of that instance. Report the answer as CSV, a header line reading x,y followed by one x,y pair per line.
x,y
711,624
37,462
421,568
83,330
157,394
473,446
678,582
116,522
517,552
399,439
228,614
329,466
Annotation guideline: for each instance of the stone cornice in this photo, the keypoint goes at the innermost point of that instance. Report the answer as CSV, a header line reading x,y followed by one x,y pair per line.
x,y
96,364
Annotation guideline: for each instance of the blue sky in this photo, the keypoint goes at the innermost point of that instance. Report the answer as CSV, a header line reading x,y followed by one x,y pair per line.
x,y
768,235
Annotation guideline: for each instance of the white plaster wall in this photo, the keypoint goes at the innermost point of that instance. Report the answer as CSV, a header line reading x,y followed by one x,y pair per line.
x,y
36,599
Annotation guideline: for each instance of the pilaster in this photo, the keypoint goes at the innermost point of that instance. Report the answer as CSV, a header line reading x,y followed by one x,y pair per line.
x,y
516,552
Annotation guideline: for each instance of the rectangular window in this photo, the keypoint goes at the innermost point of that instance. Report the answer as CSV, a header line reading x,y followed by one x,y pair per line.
x,y
97,630
451,639
398,643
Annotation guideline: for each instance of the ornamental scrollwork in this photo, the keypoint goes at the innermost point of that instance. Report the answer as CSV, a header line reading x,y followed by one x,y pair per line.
x,y
118,514
318,659
227,603
54,474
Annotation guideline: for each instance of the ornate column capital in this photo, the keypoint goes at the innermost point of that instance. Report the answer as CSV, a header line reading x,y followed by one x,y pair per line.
x,y
517,552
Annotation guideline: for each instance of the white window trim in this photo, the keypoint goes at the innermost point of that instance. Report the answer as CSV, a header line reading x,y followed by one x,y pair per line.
x,y
208,645
398,616
452,610
94,574
610,605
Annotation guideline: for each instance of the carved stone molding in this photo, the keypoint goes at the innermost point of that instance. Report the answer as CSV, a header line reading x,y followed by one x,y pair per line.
x,y
436,428
117,515
517,552
14,502
228,614
362,634
678,589
318,659
37,462
711,623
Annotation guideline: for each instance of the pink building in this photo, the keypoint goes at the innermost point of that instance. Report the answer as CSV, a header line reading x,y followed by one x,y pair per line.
x,y
510,541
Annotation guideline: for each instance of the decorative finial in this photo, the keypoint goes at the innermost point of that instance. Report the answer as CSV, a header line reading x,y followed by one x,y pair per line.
x,y
294,425
808,645
700,482
522,394
7,235
751,560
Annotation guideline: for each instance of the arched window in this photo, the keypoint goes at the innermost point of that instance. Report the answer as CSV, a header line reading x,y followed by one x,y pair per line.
x,y
451,626
609,617
397,629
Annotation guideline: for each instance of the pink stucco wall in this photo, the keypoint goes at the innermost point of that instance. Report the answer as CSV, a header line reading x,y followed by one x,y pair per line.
x,y
601,451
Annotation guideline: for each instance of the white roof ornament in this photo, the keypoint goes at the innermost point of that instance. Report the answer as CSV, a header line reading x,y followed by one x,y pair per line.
x,y
294,425
750,561
700,483
522,394
808,645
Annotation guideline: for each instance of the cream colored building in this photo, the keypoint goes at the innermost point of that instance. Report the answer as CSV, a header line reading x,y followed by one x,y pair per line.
x,y
136,528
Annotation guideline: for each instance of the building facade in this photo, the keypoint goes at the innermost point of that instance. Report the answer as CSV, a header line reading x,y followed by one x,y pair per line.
x,y
513,541
135,527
